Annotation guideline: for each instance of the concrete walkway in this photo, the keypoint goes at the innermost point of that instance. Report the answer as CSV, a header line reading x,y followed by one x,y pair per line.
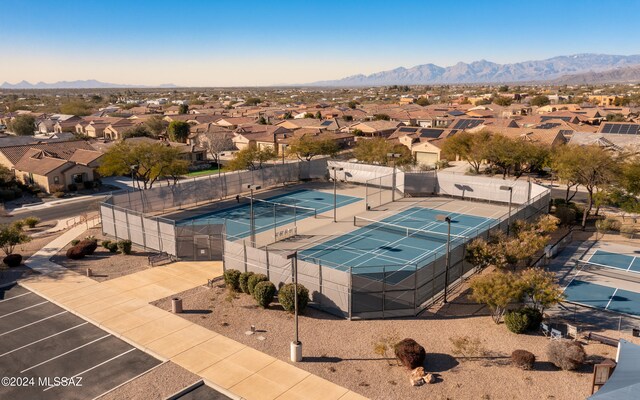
x,y
121,307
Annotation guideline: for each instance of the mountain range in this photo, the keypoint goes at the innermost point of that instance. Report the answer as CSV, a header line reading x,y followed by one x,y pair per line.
x,y
86,84
484,71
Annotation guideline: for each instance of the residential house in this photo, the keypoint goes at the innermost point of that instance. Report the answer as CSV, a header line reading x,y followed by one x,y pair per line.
x,y
375,128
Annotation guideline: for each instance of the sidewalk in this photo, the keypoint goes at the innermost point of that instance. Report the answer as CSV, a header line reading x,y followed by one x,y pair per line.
x,y
121,307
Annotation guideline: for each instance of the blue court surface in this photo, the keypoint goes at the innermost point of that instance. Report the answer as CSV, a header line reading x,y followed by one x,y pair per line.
x,y
615,260
279,210
603,297
405,240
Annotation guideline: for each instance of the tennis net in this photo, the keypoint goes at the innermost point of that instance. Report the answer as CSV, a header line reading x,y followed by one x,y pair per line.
x,y
406,231
605,270
282,207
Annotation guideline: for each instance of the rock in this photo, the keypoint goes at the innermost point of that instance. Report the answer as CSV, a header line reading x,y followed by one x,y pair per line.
x,y
429,378
417,377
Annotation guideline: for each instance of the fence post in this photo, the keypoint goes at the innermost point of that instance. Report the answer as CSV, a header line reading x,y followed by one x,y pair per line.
x,y
350,294
244,248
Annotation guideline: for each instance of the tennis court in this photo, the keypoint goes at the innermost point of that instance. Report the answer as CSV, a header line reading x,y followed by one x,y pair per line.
x,y
271,212
603,297
402,241
615,260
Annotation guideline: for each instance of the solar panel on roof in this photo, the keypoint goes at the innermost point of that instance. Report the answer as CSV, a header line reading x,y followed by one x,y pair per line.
x,y
326,123
625,129
467,123
431,133
548,117
548,125
407,129
455,113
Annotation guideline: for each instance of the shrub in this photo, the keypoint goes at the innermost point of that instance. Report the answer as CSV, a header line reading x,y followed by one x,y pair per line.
x,y
286,297
88,184
607,225
106,244
113,247
88,246
31,222
628,231
124,246
12,260
566,215
244,281
232,279
566,354
523,359
75,253
263,292
58,195
75,242
253,280
535,318
517,321
72,187
409,353
19,224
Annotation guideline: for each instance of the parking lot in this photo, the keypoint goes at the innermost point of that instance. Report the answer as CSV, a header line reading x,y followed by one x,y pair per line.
x,y
49,353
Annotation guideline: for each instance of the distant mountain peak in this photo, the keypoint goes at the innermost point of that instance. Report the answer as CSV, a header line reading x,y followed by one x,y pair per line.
x,y
79,84
484,71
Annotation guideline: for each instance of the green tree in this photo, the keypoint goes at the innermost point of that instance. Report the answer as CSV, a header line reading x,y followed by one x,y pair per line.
x,y
76,107
156,125
353,104
178,131
307,147
630,177
148,162
12,235
318,115
564,162
540,288
539,101
347,118
251,158
617,117
423,101
503,89
381,117
23,125
183,108
252,101
497,290
374,151
502,101
308,115
471,147
140,130
6,176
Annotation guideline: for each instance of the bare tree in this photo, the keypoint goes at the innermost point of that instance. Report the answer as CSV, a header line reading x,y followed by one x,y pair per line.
x,y
215,143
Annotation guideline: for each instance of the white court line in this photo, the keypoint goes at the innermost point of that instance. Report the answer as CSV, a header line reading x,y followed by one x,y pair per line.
x,y
40,340
15,297
65,353
611,298
33,323
22,309
95,366
631,263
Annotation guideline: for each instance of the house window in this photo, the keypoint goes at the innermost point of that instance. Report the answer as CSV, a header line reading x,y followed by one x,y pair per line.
x,y
78,178
56,179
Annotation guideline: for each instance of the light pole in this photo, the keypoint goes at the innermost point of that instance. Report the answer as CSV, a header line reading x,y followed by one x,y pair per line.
x,y
218,163
252,222
393,157
447,219
133,181
335,195
510,189
284,148
296,345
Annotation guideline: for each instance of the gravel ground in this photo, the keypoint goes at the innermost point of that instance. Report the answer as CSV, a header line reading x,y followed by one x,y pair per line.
x,y
342,351
7,274
160,383
105,265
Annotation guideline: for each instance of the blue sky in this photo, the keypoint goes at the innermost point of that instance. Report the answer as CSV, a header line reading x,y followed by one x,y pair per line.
x,y
227,43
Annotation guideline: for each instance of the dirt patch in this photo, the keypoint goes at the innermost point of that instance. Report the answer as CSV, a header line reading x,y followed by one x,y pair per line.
x,y
343,351
104,264
159,383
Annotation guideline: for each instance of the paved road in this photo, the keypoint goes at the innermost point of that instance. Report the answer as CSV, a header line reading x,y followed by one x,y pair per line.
x,y
56,212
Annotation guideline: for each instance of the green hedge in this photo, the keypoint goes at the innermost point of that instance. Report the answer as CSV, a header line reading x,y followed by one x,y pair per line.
x,y
286,297
232,279
253,280
263,293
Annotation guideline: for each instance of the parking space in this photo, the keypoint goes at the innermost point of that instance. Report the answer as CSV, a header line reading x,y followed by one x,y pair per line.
x,y
49,353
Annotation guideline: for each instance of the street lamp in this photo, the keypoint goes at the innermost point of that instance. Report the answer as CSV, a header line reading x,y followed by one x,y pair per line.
x,y
335,195
252,222
510,189
393,157
296,345
447,219
284,148
133,182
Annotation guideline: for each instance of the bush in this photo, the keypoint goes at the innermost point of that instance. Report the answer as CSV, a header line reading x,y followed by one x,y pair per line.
x,y
535,318
88,246
409,353
12,260
88,184
75,253
566,354
253,280
607,225
244,281
113,247
566,215
628,231
523,359
106,244
72,187
124,246
517,321
286,297
75,242
263,292
31,222
232,279
58,195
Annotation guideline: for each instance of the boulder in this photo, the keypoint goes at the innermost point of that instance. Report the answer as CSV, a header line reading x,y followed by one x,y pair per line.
x,y
429,378
417,377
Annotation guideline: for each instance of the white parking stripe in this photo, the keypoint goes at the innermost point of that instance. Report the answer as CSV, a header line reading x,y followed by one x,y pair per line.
x,y
22,309
40,340
33,323
65,353
15,297
96,366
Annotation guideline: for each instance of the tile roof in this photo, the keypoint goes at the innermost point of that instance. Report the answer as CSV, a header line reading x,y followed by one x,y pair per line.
x,y
62,150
